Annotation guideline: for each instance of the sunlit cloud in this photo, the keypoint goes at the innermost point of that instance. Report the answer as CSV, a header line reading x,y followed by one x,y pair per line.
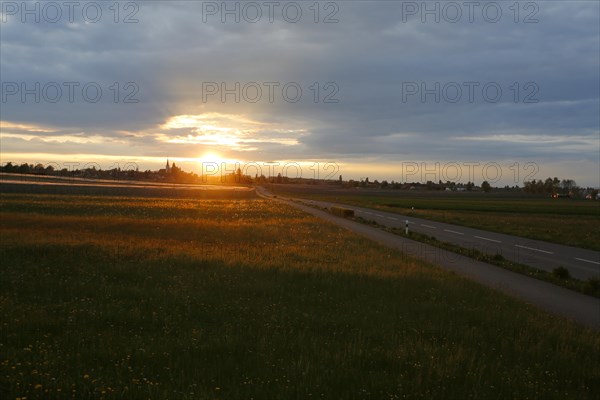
x,y
236,132
217,120
7,126
43,134
83,139
50,135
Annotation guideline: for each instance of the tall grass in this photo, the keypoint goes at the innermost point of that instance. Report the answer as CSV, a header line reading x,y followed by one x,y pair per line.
x,y
137,298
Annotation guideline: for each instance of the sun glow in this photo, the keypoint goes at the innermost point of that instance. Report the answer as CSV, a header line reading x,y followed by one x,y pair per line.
x,y
230,131
211,158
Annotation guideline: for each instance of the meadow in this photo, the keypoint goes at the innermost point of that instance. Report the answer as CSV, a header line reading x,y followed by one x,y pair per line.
x,y
572,222
148,298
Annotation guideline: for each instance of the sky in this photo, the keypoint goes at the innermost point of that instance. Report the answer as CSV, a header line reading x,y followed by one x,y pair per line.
x,y
396,90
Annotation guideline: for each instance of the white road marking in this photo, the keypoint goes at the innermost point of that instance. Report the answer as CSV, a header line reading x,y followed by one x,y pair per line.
x,y
429,226
589,261
378,215
392,218
531,248
367,212
488,239
458,233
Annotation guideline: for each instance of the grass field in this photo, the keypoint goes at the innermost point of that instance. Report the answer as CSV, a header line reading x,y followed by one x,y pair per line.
x,y
133,298
565,221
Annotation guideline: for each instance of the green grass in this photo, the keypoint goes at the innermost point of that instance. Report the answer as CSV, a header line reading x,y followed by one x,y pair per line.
x,y
565,221
155,298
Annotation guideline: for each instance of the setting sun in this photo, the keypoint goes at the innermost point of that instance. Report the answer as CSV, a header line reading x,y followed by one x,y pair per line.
x,y
211,157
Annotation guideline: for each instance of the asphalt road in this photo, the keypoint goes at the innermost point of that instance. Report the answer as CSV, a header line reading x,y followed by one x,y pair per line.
x,y
581,263
551,298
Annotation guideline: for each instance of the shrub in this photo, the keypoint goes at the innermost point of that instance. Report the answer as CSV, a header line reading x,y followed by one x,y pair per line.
x,y
561,273
592,286
342,212
498,257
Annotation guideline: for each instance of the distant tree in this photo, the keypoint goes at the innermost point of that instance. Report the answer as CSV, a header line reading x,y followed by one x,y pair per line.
x,y
555,184
24,168
568,185
469,186
539,186
485,186
534,186
549,185
10,167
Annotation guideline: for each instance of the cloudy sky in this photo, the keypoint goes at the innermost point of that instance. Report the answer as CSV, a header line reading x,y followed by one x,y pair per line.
x,y
386,89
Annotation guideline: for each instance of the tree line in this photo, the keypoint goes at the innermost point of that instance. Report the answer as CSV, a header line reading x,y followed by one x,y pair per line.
x,y
551,185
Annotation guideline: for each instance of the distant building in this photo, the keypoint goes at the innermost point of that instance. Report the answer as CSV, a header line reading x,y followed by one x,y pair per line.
x,y
167,170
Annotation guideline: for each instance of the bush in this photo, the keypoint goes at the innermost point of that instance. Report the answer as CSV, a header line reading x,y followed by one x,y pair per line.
x,y
342,212
561,273
498,257
592,286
